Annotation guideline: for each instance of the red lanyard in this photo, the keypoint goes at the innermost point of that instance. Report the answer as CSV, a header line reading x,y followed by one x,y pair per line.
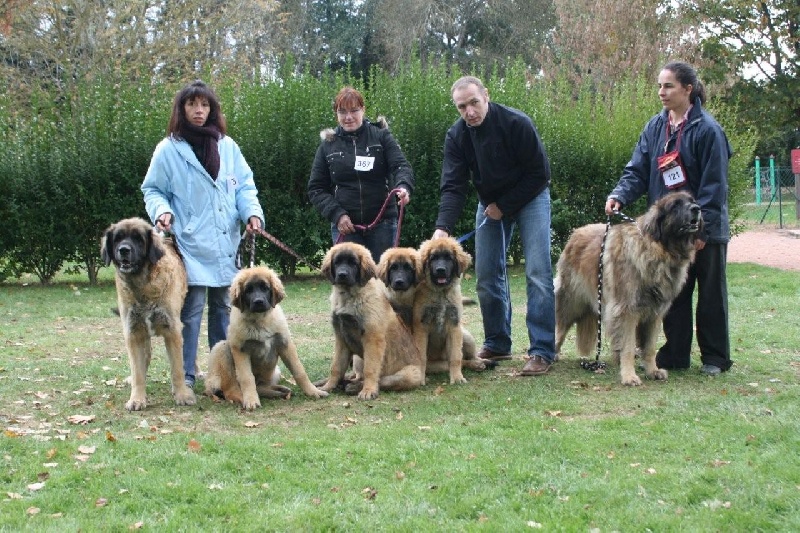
x,y
678,140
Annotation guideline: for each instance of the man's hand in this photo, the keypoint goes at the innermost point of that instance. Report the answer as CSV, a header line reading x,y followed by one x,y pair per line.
x,y
613,206
345,225
439,233
493,212
403,197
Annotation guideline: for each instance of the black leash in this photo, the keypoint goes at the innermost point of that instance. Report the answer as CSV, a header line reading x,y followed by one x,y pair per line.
x,y
597,365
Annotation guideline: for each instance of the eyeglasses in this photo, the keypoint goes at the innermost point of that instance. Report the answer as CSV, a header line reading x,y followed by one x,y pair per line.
x,y
352,112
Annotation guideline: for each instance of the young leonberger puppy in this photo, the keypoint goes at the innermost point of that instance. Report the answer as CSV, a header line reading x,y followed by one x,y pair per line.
x,y
151,287
644,269
365,325
243,368
438,306
398,269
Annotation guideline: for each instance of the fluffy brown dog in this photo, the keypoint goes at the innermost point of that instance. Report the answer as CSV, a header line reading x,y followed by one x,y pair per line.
x,y
151,287
438,306
398,269
365,325
243,367
644,269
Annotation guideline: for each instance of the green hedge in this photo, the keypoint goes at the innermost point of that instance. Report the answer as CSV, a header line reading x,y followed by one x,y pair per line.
x,y
70,168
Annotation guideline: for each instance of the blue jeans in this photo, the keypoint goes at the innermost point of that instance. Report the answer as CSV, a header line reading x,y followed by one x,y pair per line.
x,y
491,245
377,240
192,315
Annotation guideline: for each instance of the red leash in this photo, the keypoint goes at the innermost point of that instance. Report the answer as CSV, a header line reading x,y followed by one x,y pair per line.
x,y
378,218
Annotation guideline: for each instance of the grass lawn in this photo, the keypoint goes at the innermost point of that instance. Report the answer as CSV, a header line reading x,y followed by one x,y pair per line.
x,y
571,451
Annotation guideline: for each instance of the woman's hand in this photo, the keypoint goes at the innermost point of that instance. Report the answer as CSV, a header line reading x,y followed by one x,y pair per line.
x,y
345,225
253,225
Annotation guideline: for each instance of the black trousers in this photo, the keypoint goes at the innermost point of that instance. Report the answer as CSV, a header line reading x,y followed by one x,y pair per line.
x,y
708,273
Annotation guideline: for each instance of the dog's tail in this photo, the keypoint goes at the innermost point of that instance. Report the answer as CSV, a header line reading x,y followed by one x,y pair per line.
x,y
586,333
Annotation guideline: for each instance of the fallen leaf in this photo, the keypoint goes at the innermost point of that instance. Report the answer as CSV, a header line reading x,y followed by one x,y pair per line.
x,y
194,446
36,486
718,463
110,437
51,453
88,450
10,433
553,413
438,390
400,475
650,471
534,525
81,419
251,424
277,445
82,458
399,416
215,486
137,525
33,510
424,428
14,496
100,502
369,493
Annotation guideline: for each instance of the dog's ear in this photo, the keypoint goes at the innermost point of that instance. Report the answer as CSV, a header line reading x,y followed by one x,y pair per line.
x,y
107,245
422,259
278,293
367,269
235,293
155,247
383,267
463,259
327,263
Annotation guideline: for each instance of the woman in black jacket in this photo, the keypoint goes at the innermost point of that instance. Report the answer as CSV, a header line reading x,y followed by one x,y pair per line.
x,y
355,167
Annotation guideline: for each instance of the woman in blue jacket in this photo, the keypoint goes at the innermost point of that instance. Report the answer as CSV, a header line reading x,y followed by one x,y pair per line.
x,y
686,130
199,187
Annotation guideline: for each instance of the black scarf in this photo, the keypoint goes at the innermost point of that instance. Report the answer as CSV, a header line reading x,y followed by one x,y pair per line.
x,y
203,141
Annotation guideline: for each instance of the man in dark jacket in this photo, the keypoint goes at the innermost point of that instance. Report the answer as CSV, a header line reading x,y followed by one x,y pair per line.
x,y
355,167
500,150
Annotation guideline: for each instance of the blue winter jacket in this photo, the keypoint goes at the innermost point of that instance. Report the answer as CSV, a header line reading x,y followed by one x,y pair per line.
x,y
207,212
704,151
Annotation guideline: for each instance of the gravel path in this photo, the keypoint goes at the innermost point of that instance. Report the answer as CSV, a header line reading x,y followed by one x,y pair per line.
x,y
779,248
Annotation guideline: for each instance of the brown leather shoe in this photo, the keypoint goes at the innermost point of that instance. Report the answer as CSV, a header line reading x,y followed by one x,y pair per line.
x,y
536,366
489,355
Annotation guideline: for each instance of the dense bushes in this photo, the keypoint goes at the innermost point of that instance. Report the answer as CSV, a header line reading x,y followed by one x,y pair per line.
x,y
70,168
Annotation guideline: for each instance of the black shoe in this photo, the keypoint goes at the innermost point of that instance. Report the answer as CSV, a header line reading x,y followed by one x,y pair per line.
x,y
711,370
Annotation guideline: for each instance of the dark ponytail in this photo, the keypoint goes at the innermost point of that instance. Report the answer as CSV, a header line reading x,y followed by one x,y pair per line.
x,y
686,75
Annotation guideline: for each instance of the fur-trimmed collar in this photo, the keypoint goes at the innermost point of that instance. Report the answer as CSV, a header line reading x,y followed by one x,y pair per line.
x,y
328,134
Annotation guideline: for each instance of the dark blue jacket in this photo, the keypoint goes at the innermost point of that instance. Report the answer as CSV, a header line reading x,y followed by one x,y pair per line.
x,y
336,188
505,158
704,151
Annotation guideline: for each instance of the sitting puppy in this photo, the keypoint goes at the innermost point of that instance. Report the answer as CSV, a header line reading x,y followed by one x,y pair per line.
x,y
398,269
243,368
365,325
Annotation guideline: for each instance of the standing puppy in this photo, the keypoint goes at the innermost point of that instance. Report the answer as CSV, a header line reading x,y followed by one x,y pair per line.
x,y
243,368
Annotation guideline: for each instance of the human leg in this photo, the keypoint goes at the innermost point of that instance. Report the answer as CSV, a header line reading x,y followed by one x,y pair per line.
x,y
678,329
219,314
380,238
534,230
713,335
491,241
192,316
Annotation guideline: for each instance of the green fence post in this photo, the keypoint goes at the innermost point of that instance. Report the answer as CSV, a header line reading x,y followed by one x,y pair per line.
x,y
758,180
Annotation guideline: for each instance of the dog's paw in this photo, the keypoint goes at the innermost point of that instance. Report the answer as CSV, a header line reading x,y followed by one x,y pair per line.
x,y
136,404
458,380
317,393
185,397
251,401
631,380
368,394
659,374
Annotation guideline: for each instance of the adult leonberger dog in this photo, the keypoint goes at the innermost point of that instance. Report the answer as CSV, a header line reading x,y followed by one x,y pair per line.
x,y
151,287
398,269
243,368
644,269
438,306
365,325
